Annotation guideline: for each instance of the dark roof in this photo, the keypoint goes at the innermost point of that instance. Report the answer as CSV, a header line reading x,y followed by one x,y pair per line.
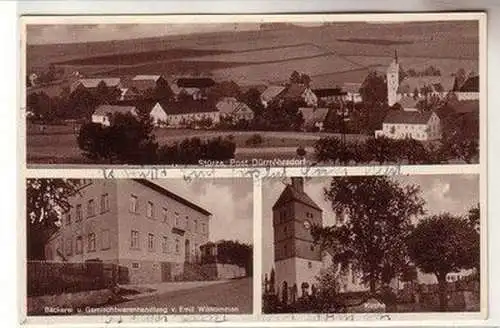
x,y
202,82
329,92
170,194
189,106
113,109
407,117
470,85
408,102
291,194
141,85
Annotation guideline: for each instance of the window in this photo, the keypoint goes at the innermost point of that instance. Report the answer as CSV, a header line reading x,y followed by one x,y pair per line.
x,y
309,215
177,246
195,225
79,245
204,227
133,207
151,242
105,239
309,265
134,239
135,265
69,246
68,218
164,215
187,223
104,203
78,212
177,222
285,230
150,210
90,208
285,250
91,244
312,248
165,244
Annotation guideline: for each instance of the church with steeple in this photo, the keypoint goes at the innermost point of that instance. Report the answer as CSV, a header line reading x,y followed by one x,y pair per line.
x,y
393,80
297,260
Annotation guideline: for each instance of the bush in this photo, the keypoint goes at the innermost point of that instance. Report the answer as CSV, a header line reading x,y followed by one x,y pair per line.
x,y
254,140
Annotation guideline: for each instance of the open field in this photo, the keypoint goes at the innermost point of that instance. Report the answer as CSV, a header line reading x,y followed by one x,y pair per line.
x,y
248,57
57,144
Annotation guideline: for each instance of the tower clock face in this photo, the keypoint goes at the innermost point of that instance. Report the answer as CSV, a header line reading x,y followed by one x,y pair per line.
x,y
307,224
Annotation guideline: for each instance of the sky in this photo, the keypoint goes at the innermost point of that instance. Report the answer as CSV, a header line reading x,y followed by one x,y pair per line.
x,y
230,200
442,193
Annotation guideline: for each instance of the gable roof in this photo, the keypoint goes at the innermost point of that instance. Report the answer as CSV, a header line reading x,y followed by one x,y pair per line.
x,y
291,194
294,91
407,117
229,105
114,109
146,77
409,84
271,92
329,92
93,83
170,194
470,85
201,82
313,115
142,105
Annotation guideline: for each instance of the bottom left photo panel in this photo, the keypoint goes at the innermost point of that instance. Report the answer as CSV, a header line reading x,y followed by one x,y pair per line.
x,y
136,246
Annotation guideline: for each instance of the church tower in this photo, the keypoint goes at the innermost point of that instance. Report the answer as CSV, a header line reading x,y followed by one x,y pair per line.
x,y
296,259
393,80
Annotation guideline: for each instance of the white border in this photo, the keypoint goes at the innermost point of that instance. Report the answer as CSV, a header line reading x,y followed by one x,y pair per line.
x,y
262,172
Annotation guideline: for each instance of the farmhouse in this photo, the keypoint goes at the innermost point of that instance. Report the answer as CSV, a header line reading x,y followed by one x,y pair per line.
x,y
299,92
187,112
139,85
151,232
270,94
314,118
92,83
469,90
411,124
104,113
420,86
352,92
330,95
230,107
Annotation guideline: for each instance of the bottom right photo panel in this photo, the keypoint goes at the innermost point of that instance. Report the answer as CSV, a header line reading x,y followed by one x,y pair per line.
x,y
358,244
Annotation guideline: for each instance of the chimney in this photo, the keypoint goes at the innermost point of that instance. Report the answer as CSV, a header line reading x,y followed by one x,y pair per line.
x,y
298,184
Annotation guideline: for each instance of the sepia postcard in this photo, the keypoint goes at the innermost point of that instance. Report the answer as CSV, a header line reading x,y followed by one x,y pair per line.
x,y
253,92
314,168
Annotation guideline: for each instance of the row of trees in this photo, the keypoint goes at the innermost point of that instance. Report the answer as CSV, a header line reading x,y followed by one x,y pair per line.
x,y
131,140
380,240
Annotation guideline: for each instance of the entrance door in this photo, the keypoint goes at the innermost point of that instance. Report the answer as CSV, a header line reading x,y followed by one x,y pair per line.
x,y
166,271
187,251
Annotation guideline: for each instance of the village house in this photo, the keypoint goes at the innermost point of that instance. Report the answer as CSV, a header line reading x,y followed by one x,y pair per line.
x,y
139,85
330,95
195,88
469,90
92,83
425,86
292,92
314,118
270,93
401,124
154,233
352,92
230,107
185,113
103,114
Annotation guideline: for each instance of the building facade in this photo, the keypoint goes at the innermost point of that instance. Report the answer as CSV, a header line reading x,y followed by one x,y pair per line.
x,y
296,259
136,224
411,124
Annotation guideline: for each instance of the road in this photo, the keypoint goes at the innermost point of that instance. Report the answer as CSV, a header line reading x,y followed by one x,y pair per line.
x,y
235,294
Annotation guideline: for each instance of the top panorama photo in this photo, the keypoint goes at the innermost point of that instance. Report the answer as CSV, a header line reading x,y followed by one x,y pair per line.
x,y
252,94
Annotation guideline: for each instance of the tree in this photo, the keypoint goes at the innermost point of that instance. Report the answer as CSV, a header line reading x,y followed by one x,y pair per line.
x,y
301,151
373,238
412,150
128,139
252,99
460,136
381,149
162,90
441,244
328,149
326,300
235,252
46,202
373,90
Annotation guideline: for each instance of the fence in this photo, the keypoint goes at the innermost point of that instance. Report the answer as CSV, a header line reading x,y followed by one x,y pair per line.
x,y
49,278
